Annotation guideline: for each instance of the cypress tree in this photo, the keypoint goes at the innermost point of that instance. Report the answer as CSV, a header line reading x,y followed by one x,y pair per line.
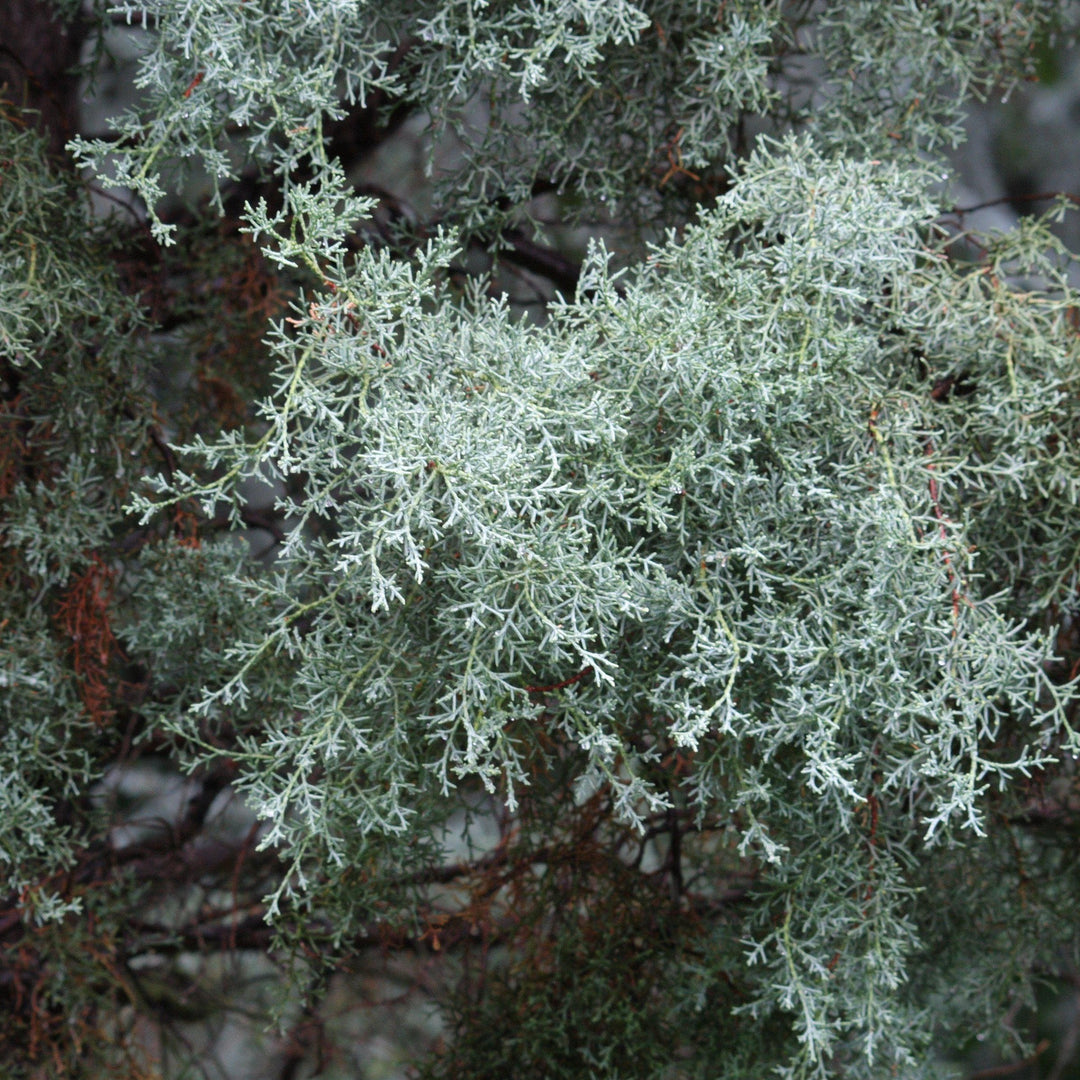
x,y
724,599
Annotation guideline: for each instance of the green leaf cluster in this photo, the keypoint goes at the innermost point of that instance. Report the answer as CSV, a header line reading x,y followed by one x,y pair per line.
x,y
764,545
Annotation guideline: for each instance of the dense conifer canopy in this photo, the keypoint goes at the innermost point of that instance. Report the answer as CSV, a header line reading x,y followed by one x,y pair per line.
x,y
730,589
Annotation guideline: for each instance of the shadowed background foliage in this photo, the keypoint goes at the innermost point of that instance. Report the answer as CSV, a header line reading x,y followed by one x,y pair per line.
x,y
535,541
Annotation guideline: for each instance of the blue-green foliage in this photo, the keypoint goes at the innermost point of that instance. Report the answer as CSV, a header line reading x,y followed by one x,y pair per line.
x,y
770,531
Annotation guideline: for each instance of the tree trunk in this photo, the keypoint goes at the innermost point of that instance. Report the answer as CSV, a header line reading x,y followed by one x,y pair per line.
x,y
38,51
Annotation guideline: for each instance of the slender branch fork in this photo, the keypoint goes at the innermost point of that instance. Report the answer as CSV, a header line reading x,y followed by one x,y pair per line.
x,y
942,521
